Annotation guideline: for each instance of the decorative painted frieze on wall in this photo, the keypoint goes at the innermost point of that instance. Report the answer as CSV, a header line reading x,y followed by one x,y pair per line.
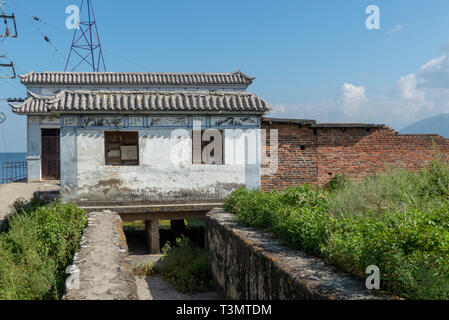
x,y
199,122
135,121
233,121
45,120
50,120
33,119
70,121
161,121
103,121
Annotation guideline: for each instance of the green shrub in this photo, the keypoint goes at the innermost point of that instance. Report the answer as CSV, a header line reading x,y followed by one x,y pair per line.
x,y
396,220
144,269
186,267
337,182
36,247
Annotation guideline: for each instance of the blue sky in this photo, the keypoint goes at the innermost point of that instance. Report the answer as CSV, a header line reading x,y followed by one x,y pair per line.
x,y
311,59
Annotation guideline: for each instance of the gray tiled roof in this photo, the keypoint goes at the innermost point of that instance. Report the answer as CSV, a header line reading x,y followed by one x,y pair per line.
x,y
34,104
139,79
146,102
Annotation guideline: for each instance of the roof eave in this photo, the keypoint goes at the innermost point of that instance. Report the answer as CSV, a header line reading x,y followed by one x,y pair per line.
x,y
88,112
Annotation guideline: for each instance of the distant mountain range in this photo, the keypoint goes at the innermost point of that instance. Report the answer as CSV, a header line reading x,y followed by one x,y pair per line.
x,y
438,124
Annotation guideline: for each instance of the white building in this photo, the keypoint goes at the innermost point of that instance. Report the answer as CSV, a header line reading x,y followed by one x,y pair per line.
x,y
128,137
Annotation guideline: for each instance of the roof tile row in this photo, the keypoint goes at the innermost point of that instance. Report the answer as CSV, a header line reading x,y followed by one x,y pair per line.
x,y
133,78
137,101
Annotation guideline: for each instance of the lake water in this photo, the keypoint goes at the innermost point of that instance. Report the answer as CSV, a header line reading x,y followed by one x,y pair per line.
x,y
11,157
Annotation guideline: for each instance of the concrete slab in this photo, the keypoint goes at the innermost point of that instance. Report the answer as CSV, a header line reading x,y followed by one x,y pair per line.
x,y
155,288
147,259
12,191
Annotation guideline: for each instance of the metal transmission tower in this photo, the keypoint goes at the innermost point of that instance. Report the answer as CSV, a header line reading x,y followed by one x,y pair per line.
x,y
7,33
86,41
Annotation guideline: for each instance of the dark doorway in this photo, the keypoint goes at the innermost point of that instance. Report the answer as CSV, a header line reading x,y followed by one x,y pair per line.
x,y
50,154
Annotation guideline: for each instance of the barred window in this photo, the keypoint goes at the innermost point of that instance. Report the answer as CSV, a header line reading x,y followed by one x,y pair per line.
x,y
121,148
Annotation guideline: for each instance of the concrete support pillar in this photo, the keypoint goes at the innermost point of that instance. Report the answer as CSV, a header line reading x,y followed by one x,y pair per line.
x,y
177,227
152,234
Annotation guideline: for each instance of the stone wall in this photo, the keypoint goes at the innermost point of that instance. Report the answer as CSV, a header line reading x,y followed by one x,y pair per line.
x,y
101,268
249,264
309,154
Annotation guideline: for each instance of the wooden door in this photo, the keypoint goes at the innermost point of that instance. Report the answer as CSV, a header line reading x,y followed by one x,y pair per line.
x,y
50,154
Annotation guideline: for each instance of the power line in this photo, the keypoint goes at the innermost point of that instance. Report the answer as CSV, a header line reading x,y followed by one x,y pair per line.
x,y
60,30
31,19
8,34
13,87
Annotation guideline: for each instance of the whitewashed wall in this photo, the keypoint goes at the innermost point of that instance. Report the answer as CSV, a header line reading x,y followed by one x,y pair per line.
x,y
84,176
34,143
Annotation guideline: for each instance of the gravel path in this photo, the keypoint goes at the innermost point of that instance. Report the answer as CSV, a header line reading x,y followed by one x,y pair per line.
x,y
155,288
104,267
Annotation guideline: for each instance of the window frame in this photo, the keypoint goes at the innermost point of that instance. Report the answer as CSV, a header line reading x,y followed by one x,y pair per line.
x,y
122,135
204,144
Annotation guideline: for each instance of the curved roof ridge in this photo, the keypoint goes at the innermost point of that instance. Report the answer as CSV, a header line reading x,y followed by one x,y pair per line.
x,y
236,78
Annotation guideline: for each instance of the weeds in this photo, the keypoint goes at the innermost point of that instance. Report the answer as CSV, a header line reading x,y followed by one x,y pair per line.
x,y
186,267
397,220
144,269
36,245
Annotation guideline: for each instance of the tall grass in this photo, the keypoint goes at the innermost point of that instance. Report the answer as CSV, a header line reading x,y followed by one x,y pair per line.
x,y
397,220
37,243
186,267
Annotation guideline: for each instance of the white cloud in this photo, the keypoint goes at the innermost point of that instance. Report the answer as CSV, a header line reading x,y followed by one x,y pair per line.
x,y
406,87
415,96
396,28
352,98
434,74
278,110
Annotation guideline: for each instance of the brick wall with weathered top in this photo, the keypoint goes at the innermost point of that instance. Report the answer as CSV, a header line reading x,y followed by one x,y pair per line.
x,y
310,154
297,156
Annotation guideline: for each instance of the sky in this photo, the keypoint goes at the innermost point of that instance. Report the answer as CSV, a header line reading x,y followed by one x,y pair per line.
x,y
312,59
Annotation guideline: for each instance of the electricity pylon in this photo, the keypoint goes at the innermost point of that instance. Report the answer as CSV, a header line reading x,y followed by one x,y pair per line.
x,y
86,45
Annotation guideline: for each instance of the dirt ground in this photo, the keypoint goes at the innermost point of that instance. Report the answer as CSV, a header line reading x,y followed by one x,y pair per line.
x,y
155,288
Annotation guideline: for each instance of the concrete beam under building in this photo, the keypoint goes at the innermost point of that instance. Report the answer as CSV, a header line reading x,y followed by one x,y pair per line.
x,y
132,216
154,209
152,235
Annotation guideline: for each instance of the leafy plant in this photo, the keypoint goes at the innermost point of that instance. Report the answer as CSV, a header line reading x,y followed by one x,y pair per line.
x,y
186,267
36,247
396,220
144,269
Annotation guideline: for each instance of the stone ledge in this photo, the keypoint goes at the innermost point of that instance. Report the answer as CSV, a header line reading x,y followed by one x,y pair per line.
x,y
102,264
251,265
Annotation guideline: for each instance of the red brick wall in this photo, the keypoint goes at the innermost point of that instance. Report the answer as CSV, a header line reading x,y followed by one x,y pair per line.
x,y
356,152
295,166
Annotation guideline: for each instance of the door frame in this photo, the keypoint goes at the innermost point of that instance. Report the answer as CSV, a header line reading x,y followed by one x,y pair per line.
x,y
58,176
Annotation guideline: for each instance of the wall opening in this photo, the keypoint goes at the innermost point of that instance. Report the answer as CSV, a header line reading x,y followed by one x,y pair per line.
x,y
121,148
51,160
